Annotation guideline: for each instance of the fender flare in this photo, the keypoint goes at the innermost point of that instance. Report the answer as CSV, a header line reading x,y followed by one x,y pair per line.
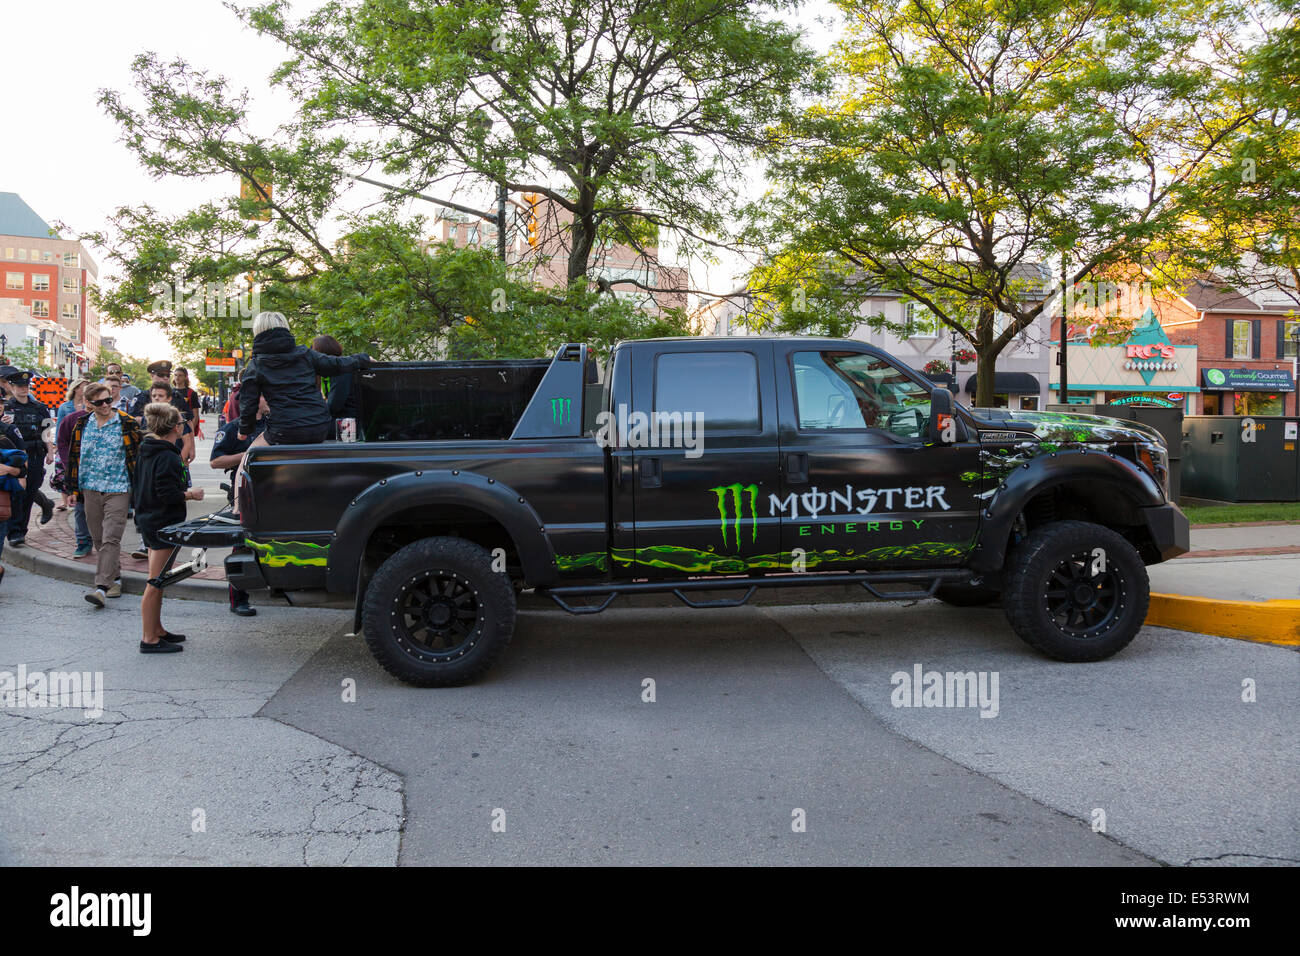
x,y
1048,471
388,496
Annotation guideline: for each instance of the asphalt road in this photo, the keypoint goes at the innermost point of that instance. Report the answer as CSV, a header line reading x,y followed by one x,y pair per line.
x,y
762,718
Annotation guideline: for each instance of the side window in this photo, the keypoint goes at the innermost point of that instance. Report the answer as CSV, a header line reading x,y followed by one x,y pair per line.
x,y
723,386
850,390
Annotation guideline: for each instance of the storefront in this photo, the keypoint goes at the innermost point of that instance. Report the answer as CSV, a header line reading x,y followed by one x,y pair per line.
x,y
1147,369
1246,391
1019,390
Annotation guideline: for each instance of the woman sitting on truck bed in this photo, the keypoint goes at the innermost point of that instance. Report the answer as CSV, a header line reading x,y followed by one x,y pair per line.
x,y
286,373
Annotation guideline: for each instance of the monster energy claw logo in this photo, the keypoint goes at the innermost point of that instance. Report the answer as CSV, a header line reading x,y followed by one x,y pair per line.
x,y
561,410
733,498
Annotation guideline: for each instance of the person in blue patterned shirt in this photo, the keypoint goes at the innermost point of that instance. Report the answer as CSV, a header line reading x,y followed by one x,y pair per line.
x,y
101,470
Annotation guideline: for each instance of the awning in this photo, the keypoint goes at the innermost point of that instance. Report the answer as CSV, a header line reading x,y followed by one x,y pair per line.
x,y
1009,383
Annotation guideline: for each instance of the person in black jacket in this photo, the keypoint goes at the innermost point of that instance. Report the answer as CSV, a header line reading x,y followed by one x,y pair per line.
x,y
160,496
339,391
286,373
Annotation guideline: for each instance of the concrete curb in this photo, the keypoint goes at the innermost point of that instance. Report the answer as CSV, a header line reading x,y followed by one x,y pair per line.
x,y
61,569
1264,622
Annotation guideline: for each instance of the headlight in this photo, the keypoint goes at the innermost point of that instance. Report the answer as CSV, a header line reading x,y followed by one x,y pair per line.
x,y
1155,460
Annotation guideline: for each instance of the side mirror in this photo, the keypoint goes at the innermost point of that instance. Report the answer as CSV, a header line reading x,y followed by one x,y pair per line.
x,y
945,429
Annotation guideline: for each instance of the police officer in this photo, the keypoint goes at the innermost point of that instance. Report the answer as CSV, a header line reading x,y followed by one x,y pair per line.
x,y
34,422
227,453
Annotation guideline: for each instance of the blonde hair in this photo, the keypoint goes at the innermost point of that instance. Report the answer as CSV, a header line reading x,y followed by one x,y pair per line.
x,y
268,320
160,418
72,389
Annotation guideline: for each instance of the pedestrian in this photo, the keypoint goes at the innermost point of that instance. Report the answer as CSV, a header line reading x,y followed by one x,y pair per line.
x,y
340,391
13,471
63,448
160,391
227,453
35,423
101,469
287,374
161,372
129,391
190,399
160,501
73,402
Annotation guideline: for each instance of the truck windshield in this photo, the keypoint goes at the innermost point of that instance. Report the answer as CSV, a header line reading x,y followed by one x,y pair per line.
x,y
851,390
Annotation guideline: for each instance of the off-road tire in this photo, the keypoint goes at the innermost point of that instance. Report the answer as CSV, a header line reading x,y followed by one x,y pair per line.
x,y
417,613
1051,579
967,595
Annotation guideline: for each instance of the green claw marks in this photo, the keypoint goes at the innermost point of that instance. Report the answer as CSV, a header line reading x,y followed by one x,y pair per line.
x,y
561,410
729,498
695,561
280,554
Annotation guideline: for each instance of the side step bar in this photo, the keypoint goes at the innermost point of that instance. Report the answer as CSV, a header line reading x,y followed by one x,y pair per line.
x,y
927,584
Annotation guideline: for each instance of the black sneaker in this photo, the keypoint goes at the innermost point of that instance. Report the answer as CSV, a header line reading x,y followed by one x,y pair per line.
x,y
162,647
47,511
171,638
17,540
243,610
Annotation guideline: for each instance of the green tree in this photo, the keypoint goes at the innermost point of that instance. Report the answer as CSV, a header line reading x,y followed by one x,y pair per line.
x,y
969,139
630,115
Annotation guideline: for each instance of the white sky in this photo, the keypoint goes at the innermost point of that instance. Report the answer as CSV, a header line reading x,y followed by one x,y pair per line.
x,y
65,157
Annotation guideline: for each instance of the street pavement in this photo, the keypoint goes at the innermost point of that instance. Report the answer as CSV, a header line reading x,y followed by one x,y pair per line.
x,y
761,717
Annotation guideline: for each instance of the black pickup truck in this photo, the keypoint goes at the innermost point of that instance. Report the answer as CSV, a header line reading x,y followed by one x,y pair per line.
x,y
704,467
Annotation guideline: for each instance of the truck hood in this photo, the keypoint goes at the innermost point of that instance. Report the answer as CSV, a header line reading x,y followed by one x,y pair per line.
x,y
1062,427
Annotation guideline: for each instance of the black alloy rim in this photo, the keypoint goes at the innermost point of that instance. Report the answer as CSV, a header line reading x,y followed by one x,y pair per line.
x,y
1080,603
437,616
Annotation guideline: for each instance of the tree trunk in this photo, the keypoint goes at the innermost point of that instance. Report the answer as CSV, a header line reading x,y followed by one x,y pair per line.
x,y
584,233
985,362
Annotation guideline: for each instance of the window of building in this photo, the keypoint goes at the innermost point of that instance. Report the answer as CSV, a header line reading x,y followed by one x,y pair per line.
x,y
40,308
72,285
22,254
9,252
922,321
1256,403
723,386
71,260
13,280
1241,339
47,256
1288,339
1029,403
71,310
40,282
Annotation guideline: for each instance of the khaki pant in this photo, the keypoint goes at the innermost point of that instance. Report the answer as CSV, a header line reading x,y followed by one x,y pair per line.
x,y
106,518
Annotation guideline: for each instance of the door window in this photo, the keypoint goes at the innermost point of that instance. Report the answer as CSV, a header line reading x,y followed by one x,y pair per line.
x,y
856,391
721,386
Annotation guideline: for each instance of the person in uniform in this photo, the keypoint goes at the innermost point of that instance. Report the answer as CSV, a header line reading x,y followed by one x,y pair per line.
x,y
34,422
227,452
13,469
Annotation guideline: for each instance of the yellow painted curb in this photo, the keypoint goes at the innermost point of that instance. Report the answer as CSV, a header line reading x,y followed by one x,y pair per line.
x,y
1267,622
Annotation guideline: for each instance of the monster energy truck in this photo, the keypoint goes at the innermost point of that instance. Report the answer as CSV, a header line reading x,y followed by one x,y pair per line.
x,y
698,465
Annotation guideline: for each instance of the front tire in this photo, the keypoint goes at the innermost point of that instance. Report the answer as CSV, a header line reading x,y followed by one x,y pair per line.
x,y
436,614
1076,591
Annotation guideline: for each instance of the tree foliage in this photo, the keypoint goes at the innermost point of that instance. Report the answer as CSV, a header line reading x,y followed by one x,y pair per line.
x,y
969,140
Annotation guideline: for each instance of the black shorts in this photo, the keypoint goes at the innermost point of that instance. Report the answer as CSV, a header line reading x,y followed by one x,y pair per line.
x,y
306,435
149,535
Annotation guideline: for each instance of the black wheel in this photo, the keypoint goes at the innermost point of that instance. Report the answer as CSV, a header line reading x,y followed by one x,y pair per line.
x,y
436,614
1076,591
967,595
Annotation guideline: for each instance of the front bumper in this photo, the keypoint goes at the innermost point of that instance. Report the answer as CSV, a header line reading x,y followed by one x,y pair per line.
x,y
1170,532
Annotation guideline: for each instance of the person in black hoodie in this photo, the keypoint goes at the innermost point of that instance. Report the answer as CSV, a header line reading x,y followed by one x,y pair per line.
x,y
286,373
160,496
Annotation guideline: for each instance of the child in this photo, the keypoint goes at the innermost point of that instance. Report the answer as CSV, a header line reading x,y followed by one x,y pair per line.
x,y
160,497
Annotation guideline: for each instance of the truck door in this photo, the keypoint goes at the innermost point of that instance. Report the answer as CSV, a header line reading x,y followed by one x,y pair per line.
x,y
702,509
861,488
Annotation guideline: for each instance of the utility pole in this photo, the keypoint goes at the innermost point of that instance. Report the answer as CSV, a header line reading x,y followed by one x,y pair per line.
x,y
1064,394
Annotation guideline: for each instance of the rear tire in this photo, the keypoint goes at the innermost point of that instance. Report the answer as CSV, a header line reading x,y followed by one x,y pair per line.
x,y
1076,591
436,614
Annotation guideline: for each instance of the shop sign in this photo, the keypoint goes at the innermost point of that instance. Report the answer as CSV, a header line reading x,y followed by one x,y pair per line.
x,y
1248,380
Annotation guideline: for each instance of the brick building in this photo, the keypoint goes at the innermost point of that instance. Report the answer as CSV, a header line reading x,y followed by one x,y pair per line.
x,y
546,261
45,293
1218,351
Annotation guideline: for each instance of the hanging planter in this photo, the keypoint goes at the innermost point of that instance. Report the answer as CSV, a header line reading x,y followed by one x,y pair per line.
x,y
936,367
965,356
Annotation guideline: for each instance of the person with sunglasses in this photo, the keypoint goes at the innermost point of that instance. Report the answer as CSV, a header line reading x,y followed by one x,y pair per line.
x,y
101,471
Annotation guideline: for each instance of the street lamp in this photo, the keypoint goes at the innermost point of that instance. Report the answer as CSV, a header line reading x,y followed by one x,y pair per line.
x,y
1295,363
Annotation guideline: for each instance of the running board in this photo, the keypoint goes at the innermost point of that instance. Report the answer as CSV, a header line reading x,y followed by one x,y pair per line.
x,y
928,584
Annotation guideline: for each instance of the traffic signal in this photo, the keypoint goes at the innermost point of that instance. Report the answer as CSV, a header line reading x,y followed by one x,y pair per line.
x,y
532,199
